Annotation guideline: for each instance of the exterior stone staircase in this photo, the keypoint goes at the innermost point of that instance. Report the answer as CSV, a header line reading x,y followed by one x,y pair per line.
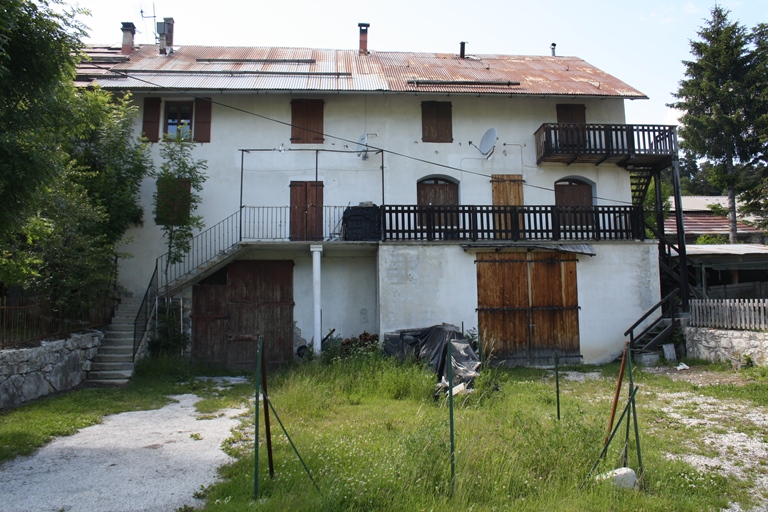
x,y
113,363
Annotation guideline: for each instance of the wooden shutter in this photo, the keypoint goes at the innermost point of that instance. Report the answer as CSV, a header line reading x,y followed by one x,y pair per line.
x,y
507,190
571,113
436,122
202,130
307,121
151,125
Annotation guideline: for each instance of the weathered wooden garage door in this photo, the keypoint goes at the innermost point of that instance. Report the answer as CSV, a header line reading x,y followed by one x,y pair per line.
x,y
528,305
255,297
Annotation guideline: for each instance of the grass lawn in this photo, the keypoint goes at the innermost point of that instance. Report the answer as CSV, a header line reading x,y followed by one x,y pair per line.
x,y
374,438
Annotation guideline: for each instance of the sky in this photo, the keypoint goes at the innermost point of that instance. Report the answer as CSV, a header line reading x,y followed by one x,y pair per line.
x,y
643,43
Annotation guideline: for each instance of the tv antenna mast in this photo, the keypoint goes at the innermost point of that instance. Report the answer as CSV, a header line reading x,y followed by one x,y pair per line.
x,y
154,22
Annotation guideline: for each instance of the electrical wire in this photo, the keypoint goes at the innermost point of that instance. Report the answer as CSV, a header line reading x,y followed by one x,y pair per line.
x,y
327,135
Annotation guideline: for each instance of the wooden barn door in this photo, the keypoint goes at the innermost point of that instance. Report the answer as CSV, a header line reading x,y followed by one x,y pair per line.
x,y
235,305
528,305
306,210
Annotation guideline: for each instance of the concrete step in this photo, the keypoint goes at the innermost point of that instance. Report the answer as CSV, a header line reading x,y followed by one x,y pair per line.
x,y
111,366
120,337
116,350
109,375
109,382
113,358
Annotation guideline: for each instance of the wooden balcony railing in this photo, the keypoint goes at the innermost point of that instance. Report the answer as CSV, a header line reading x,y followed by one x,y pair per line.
x,y
651,146
512,223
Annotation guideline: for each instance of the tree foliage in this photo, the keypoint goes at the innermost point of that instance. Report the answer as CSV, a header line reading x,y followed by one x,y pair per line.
x,y
177,197
111,161
722,101
38,54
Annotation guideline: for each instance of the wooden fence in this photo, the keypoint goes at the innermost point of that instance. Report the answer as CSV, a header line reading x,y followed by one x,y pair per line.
x,y
746,314
29,319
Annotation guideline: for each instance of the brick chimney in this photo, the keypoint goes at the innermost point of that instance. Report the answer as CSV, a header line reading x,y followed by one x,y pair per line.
x,y
363,37
165,35
129,30
168,32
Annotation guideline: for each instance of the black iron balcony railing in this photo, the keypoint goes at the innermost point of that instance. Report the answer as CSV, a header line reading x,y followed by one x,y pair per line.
x,y
512,223
651,146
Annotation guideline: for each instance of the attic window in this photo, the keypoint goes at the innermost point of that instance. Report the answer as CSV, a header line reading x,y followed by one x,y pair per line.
x,y
193,116
436,123
307,121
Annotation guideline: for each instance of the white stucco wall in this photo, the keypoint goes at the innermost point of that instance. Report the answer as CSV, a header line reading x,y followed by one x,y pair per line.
x,y
392,122
423,285
616,287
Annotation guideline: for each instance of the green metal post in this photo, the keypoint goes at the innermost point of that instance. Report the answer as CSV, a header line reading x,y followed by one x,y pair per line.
x,y
557,382
449,362
256,422
634,417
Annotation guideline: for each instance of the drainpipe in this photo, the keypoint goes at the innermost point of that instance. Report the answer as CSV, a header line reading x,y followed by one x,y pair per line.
x,y
317,253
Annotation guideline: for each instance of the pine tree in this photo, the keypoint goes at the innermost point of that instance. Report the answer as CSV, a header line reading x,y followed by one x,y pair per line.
x,y
720,103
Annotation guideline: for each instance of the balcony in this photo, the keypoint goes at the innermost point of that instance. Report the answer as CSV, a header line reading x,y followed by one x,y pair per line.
x,y
435,223
640,146
511,223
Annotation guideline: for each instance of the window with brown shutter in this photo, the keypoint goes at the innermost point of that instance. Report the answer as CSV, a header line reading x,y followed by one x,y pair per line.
x,y
192,117
174,199
151,125
307,121
436,124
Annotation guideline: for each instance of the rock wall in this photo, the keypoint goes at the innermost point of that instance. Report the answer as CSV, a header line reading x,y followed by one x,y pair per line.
x,y
736,347
29,373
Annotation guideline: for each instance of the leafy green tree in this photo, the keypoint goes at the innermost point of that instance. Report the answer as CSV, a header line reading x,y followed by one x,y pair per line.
x,y
61,252
177,197
719,103
38,55
111,161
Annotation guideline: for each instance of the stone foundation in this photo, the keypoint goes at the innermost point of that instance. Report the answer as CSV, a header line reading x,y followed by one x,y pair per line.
x,y
736,347
29,373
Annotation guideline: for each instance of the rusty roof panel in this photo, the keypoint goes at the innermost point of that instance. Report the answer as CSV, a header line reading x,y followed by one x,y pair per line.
x,y
238,68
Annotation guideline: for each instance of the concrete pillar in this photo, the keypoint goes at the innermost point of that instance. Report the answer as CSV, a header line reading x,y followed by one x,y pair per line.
x,y
317,335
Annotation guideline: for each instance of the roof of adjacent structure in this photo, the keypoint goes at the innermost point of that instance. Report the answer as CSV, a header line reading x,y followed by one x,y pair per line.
x,y
305,69
708,225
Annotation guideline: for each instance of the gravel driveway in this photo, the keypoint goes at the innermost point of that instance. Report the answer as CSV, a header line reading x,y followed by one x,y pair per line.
x,y
134,461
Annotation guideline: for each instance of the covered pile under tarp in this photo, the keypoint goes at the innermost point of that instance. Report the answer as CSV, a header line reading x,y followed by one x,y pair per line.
x,y
429,345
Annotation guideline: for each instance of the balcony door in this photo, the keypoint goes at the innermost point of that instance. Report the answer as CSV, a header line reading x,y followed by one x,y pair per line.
x,y
571,137
440,193
574,197
306,210
507,190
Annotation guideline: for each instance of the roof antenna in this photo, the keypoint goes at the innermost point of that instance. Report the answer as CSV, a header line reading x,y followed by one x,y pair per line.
x,y
154,24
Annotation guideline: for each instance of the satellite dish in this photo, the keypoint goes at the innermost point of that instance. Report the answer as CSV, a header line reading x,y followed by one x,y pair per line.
x,y
488,143
362,146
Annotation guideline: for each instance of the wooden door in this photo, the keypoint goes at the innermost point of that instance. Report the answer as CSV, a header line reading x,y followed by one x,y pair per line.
x,y
574,193
440,193
528,305
209,319
570,136
306,210
236,305
260,302
507,190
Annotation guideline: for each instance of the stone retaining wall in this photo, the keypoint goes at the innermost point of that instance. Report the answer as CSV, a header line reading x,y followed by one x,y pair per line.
x,y
736,347
29,373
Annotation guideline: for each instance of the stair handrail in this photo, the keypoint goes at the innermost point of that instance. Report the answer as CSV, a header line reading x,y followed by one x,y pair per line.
x,y
145,313
221,237
631,331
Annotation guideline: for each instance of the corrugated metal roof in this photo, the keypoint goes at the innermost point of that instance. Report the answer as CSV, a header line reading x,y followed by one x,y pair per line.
x,y
726,249
265,68
707,225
